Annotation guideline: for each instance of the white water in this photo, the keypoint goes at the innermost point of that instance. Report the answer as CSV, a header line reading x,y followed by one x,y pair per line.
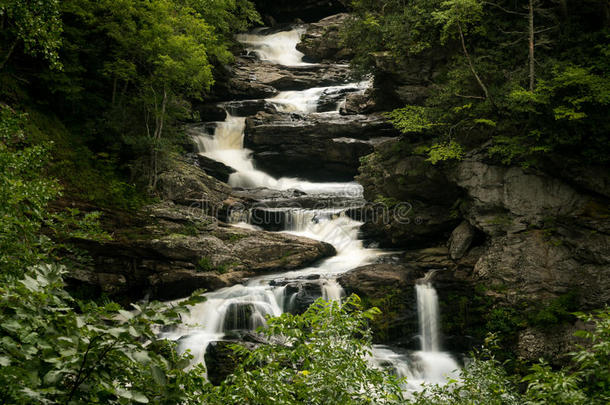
x,y
227,146
245,306
427,313
279,48
428,365
306,101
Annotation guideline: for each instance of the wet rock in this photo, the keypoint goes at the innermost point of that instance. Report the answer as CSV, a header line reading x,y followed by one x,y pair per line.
x,y
209,112
253,79
392,288
214,168
299,295
359,103
370,280
322,40
244,108
288,144
411,199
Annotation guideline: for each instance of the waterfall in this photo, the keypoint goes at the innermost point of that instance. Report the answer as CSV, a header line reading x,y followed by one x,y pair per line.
x,y
246,306
279,48
226,145
427,313
307,101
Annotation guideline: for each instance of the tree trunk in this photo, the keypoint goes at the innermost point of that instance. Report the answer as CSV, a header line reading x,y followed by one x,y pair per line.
x,y
9,53
471,65
532,61
157,137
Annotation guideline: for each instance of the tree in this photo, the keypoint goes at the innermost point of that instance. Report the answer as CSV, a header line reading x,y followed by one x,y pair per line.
x,y
54,349
460,15
34,24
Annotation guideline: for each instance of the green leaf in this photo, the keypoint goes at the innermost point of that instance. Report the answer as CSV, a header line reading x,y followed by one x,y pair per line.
x,y
158,375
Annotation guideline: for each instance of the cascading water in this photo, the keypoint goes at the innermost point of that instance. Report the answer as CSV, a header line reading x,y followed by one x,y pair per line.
x,y
427,313
307,101
245,306
227,146
279,48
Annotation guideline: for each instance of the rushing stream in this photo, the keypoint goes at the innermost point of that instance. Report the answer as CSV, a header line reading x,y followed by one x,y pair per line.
x,y
244,307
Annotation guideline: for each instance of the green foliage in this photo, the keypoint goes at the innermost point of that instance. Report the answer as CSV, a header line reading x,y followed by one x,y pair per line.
x,y
411,119
454,14
130,69
485,89
445,151
587,381
35,25
205,264
56,350
24,195
317,358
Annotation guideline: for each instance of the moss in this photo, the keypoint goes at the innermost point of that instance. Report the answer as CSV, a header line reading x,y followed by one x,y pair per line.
x,y
236,237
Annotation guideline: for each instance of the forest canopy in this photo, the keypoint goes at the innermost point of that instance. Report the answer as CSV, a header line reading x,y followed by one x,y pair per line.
x,y
531,75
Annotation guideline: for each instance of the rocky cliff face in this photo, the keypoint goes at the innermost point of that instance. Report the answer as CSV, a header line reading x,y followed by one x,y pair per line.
x,y
530,241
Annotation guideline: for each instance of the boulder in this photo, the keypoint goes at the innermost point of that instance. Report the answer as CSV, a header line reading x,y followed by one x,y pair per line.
x,y
391,287
460,240
186,184
322,40
214,168
221,361
359,103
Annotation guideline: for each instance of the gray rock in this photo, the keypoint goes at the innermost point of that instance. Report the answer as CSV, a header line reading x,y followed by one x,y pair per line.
x,y
536,266
554,343
460,240
289,144
214,168
498,189
170,250
322,41
415,197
